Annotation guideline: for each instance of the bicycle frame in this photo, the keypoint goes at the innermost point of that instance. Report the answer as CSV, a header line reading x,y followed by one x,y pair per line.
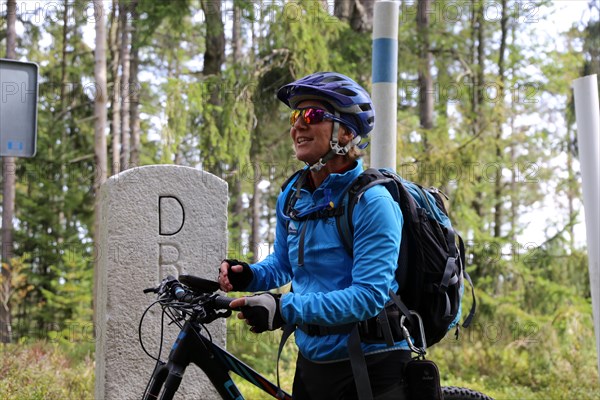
x,y
193,347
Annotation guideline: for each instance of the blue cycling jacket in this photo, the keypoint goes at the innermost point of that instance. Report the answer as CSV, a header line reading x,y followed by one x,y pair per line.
x,y
332,288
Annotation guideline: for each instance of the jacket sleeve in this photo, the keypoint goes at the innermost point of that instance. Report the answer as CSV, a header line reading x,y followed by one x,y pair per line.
x,y
377,231
275,269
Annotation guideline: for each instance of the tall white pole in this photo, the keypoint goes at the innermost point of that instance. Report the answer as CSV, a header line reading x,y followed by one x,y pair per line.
x,y
587,113
385,83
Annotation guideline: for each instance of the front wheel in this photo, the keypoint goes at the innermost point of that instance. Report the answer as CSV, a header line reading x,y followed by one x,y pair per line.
x,y
459,393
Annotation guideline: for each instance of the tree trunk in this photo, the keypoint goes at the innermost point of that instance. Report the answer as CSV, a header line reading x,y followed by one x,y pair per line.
x,y
135,90
115,125
498,184
255,206
480,66
8,196
100,119
514,192
425,79
124,89
358,13
571,185
235,182
477,98
236,35
65,114
214,56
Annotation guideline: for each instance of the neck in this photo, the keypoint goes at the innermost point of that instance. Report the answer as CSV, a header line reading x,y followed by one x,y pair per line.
x,y
335,165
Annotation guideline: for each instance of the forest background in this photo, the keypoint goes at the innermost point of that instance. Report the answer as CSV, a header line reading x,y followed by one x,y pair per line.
x,y
485,112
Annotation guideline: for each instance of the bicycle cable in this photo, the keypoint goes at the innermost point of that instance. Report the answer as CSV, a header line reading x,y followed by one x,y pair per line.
x,y
140,331
210,338
174,318
199,336
158,361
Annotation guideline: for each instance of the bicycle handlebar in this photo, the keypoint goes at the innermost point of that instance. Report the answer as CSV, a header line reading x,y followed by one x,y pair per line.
x,y
222,302
199,284
193,291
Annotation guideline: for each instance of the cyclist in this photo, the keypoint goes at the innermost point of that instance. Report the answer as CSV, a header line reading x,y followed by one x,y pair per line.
x,y
332,291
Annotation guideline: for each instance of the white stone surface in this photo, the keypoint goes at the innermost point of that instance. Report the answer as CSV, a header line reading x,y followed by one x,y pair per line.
x,y
154,221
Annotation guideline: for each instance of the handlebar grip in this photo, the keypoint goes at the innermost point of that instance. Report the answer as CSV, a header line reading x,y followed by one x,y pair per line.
x,y
199,284
222,302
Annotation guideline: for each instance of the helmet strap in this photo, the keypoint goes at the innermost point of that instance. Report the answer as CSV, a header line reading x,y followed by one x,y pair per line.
x,y
322,161
343,150
336,148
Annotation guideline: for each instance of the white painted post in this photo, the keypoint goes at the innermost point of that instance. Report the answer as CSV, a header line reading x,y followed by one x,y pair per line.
x,y
587,113
385,83
154,221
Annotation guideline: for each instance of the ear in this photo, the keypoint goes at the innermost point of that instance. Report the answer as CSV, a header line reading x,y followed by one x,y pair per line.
x,y
344,135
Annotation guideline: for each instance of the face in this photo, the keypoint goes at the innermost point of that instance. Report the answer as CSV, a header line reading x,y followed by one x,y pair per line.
x,y
311,142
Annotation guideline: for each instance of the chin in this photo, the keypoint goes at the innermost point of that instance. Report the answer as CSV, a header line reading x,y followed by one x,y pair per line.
x,y
301,157
306,160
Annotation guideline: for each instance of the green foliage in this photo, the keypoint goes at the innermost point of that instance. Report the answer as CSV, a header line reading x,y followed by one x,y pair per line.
x,y
153,13
510,353
46,371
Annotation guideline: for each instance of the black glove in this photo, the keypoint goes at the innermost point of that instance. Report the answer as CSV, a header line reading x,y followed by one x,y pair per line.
x,y
262,312
239,280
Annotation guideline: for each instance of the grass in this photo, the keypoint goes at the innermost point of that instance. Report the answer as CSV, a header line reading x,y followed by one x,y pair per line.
x,y
542,369
46,371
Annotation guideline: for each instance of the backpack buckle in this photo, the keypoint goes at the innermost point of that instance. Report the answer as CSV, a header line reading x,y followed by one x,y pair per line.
x,y
418,350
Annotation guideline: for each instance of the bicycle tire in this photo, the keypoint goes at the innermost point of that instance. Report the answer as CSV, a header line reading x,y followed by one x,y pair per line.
x,y
460,393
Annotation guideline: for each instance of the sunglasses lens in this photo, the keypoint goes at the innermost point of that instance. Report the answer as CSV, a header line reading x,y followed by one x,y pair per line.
x,y
310,115
313,115
294,116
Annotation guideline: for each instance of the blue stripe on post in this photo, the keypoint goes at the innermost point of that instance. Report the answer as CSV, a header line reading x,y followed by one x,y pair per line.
x,y
385,54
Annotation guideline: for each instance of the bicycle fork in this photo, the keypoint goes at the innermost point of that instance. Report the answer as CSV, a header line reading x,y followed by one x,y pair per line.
x,y
190,347
168,377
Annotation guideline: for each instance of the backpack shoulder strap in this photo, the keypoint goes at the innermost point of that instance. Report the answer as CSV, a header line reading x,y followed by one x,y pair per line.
x,y
289,181
351,197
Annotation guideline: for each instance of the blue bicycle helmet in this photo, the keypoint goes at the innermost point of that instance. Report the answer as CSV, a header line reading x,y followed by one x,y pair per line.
x,y
345,95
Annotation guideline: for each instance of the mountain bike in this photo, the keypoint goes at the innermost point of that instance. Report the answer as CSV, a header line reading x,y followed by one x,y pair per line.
x,y
191,303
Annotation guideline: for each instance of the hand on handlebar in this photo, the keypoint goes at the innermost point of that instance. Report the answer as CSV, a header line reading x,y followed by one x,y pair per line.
x,y
234,275
261,311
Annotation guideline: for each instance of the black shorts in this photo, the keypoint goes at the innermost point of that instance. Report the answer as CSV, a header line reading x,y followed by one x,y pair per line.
x,y
334,381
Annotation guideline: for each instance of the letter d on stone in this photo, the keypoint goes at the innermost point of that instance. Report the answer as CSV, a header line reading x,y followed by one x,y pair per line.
x,y
171,215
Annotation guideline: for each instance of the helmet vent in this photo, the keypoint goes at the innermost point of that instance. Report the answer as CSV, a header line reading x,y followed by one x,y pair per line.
x,y
333,79
346,92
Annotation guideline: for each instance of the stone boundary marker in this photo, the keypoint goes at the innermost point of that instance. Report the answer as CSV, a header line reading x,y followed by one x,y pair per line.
x,y
154,221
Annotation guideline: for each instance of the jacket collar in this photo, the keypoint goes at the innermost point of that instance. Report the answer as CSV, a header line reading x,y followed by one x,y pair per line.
x,y
337,181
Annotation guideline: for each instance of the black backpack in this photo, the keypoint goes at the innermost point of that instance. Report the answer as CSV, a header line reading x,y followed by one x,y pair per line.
x,y
431,263
430,270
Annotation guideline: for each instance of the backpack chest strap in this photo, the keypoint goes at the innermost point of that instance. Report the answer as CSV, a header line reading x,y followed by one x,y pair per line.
x,y
318,214
323,210
321,214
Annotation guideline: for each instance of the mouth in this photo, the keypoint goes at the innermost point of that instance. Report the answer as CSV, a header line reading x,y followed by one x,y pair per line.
x,y
303,139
